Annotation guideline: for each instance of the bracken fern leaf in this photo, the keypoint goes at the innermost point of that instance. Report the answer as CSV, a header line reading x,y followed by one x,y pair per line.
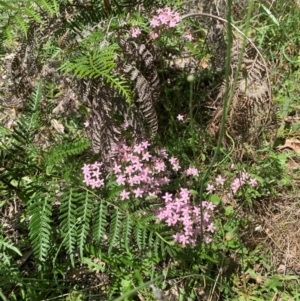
x,y
40,211
84,211
115,229
100,222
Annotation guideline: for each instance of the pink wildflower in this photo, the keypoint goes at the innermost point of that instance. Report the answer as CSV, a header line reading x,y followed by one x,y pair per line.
x,y
125,125
236,184
210,188
180,117
124,195
116,168
253,182
154,35
146,156
192,171
138,192
120,180
145,144
135,32
175,164
138,148
155,22
167,197
211,228
220,180
187,37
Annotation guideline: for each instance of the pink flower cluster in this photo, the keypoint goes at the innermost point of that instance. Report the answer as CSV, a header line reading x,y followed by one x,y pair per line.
x,y
187,37
239,181
180,213
92,175
166,17
140,173
135,32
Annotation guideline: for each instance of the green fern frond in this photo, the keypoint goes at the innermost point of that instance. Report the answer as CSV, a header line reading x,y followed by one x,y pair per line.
x,y
8,36
69,220
4,246
100,222
57,153
32,13
98,63
115,229
93,64
84,211
127,231
49,6
40,211
22,23
121,86
29,121
8,6
138,236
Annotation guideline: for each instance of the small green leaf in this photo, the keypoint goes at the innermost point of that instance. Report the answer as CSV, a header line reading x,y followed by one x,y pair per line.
x,y
215,199
270,15
4,4
151,197
193,192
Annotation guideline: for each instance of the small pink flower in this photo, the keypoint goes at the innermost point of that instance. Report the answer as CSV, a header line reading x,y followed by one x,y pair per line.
x,y
135,32
154,35
86,124
124,195
220,180
211,228
138,148
163,153
154,22
192,171
210,206
120,180
253,182
175,164
210,188
236,184
180,117
167,197
160,165
146,156
187,37
138,192
116,168
207,239
125,125
145,144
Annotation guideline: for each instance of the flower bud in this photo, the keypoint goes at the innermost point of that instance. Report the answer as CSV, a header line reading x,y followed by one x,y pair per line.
x,y
191,78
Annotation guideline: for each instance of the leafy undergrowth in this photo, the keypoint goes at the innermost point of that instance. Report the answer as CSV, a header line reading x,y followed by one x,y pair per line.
x,y
139,160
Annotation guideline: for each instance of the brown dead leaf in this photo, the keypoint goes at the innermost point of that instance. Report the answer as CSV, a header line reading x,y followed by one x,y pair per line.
x,y
57,126
291,143
204,62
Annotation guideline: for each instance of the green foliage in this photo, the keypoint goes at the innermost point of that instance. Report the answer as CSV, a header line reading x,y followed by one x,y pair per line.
x,y
91,62
40,212
57,154
69,227
6,248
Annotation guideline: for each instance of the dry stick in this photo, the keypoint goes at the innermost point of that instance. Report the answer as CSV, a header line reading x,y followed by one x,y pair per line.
x,y
240,32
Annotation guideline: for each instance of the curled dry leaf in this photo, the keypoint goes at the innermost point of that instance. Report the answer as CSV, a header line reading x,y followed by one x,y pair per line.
x,y
291,143
57,126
